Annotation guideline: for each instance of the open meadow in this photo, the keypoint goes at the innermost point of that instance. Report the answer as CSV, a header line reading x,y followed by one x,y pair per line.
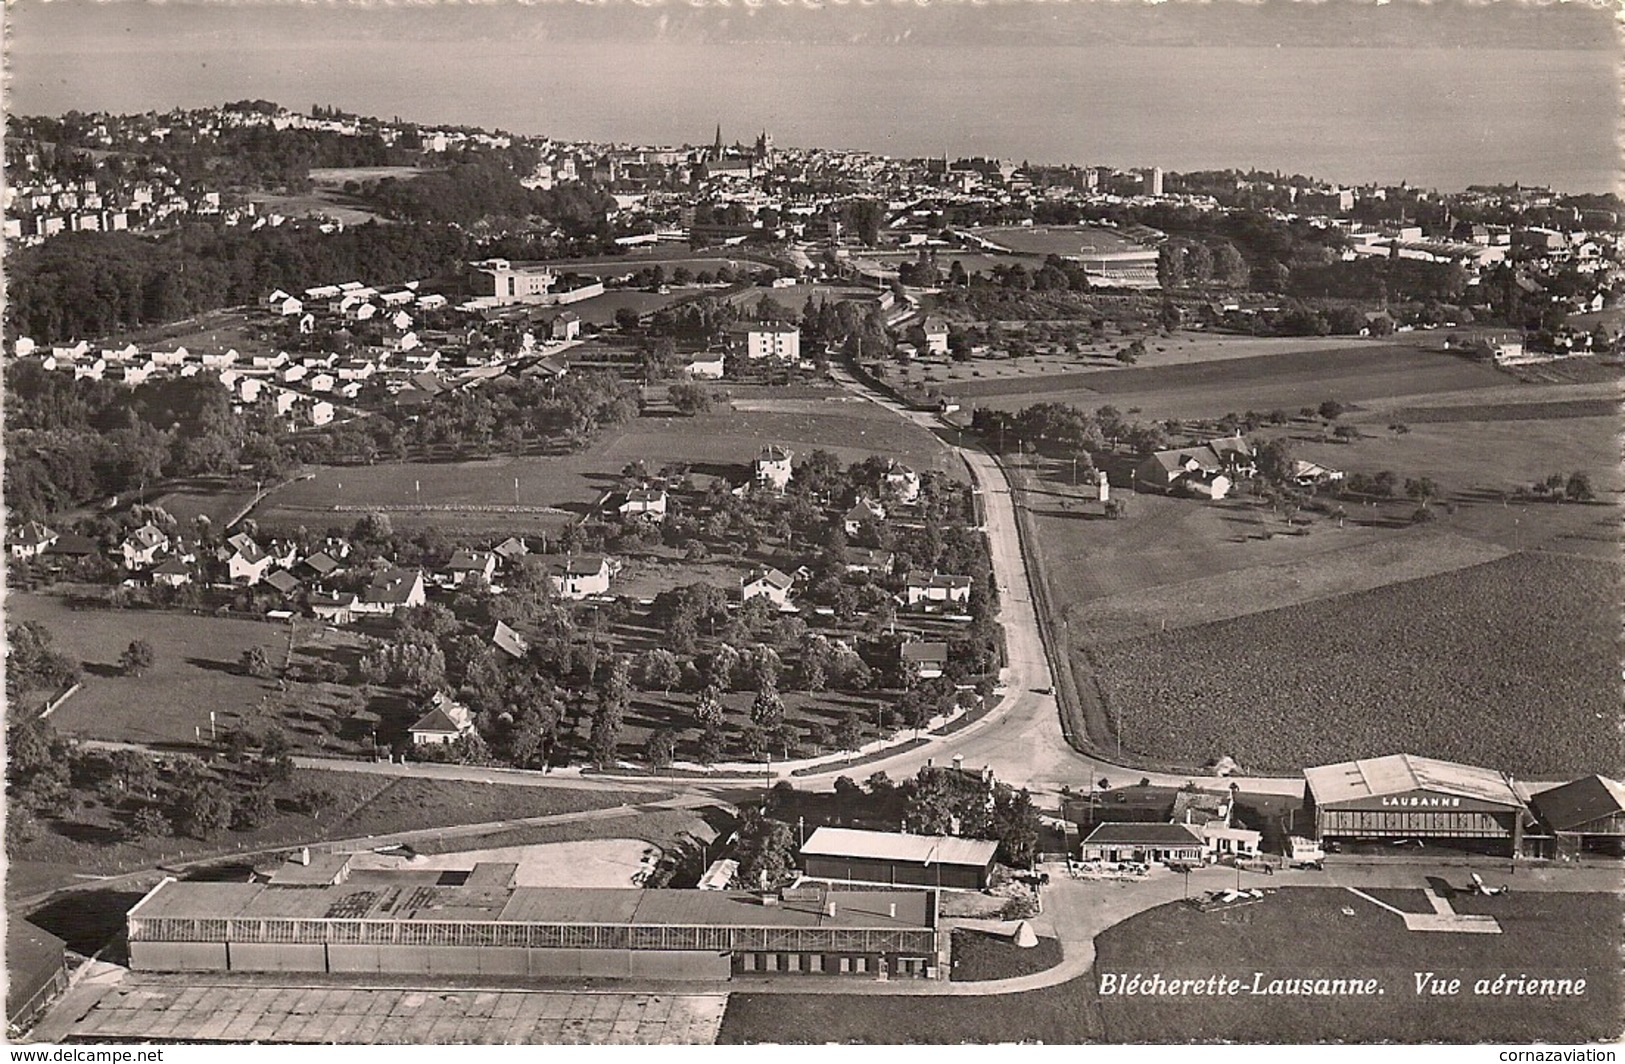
x,y
476,496
195,668
95,838
1171,564
1544,935
1512,663
1350,373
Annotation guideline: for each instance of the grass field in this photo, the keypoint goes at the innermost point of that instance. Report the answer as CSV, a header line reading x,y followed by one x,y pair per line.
x,y
1094,359
90,842
1211,388
722,443
1058,1015
1544,935
195,669
1511,663
980,957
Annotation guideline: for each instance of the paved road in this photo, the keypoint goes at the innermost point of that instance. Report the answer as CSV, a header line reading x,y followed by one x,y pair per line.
x,y
1021,738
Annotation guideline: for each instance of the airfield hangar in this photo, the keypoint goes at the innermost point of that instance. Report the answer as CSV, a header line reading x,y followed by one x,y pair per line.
x,y
335,920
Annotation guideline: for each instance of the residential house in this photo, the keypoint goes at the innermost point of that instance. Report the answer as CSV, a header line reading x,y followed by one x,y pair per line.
x,y
1308,474
1195,469
773,340
902,482
772,466
320,412
1225,842
446,721
770,582
509,641
510,550
336,608
30,541
936,589
141,547
283,304
577,578
566,326
932,336
869,560
246,561
1236,456
171,572
929,658
646,503
283,582
467,563
863,512
706,367
391,590
320,565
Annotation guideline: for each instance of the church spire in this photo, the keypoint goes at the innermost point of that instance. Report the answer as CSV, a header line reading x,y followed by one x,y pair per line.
x,y
716,149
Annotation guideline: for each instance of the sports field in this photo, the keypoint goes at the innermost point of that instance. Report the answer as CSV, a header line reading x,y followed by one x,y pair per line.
x,y
1544,935
1063,240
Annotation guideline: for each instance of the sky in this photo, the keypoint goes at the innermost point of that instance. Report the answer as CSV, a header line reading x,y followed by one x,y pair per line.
x,y
1447,91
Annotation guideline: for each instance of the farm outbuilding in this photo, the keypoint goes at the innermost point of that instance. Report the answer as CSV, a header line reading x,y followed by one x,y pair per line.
x,y
893,858
478,923
1403,796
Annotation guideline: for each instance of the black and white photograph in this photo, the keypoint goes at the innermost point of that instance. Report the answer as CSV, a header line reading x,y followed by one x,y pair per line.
x,y
796,523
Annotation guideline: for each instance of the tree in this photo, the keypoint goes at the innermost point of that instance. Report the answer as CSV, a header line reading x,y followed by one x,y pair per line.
x,y
766,852
767,710
253,810
711,744
37,770
1578,488
203,811
849,731
606,736
689,399
660,747
137,657
1422,489
753,739
257,663
659,669
1274,460
1346,433
708,709
150,822
1331,410
31,664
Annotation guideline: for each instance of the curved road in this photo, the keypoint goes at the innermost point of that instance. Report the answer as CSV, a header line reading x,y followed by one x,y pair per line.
x,y
1021,738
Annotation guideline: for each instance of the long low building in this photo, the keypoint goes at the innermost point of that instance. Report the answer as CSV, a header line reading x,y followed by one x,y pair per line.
x,y
894,859
394,922
1403,796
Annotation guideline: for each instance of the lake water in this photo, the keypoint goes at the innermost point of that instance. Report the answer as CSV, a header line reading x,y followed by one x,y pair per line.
x,y
1436,117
